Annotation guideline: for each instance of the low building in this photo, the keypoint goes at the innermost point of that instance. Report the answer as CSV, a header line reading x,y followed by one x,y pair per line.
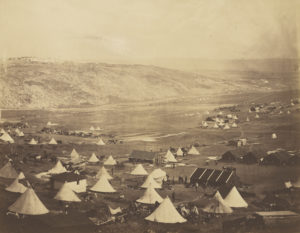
x,y
145,156
76,182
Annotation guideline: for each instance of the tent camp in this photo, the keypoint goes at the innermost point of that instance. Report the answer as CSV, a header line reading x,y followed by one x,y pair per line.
x,y
193,151
32,142
150,196
169,157
218,205
103,172
52,142
234,199
16,187
139,170
93,159
29,204
103,186
179,152
100,142
21,176
7,138
66,194
57,169
7,171
150,182
166,213
110,161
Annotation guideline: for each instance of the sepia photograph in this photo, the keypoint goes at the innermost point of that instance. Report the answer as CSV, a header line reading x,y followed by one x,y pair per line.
x,y
149,116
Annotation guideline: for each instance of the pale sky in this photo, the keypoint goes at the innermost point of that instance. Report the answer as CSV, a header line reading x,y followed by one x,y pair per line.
x,y
148,29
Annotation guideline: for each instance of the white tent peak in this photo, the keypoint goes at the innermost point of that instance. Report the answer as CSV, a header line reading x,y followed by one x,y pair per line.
x,y
234,199
7,138
16,187
110,161
103,186
93,158
166,213
8,171
57,169
103,172
193,151
52,141
139,170
169,157
33,142
28,203
66,194
21,176
100,142
179,152
150,182
150,196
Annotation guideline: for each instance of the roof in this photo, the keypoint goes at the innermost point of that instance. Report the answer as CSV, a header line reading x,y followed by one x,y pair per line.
x,y
68,176
143,155
277,213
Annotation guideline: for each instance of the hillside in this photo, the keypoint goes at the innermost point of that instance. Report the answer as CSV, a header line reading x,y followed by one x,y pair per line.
x,y
33,83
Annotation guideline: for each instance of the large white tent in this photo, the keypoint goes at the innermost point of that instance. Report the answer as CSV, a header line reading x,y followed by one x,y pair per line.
x,y
169,157
52,142
16,187
100,142
103,186
28,203
158,175
234,199
32,142
7,171
150,182
74,156
166,213
7,138
57,169
103,172
193,151
110,161
218,205
139,170
66,194
93,159
150,196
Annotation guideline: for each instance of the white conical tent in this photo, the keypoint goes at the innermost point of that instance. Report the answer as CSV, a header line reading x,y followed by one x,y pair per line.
x,y
179,152
98,128
215,126
32,142
100,142
92,128
57,169
52,142
166,213
17,131
226,126
110,161
21,176
103,172
218,205
234,199
234,125
20,134
66,194
49,123
247,119
256,116
204,124
150,182
7,171
103,186
274,136
74,156
139,170
28,203
150,196
158,175
193,151
2,131
7,138
169,157
16,187
114,211
93,159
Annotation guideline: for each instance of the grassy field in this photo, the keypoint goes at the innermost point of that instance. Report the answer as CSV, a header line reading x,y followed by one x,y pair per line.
x,y
181,119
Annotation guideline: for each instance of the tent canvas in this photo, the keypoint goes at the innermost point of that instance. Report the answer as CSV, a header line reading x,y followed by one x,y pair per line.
x,y
169,157
150,182
7,138
21,176
7,171
218,205
103,172
74,156
110,161
114,211
139,170
66,194
103,186
226,126
57,169
92,128
158,175
52,142
234,199
193,151
100,142
179,152
93,159
32,142
16,187
150,196
28,203
166,213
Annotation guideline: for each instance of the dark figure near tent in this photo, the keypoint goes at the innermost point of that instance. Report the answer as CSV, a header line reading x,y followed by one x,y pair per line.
x,y
156,204
173,182
185,179
112,171
173,196
196,186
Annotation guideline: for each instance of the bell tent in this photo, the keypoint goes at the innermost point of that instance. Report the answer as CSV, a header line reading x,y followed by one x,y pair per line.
x,y
139,170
